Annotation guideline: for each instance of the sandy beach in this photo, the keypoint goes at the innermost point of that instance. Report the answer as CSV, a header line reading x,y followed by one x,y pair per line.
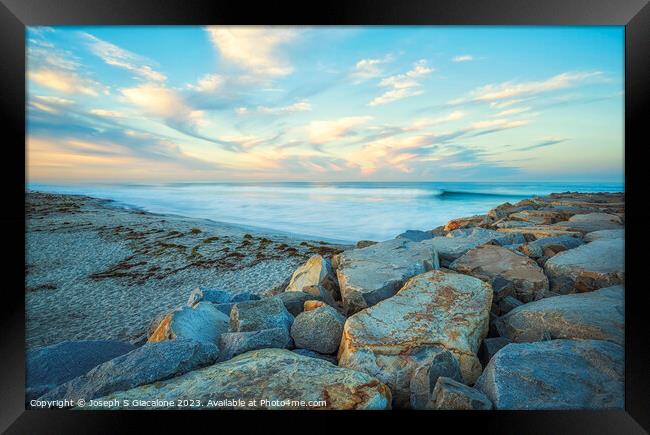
x,y
97,271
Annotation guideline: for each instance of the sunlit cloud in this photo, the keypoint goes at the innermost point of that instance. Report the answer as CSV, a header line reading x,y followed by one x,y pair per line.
x,y
366,69
63,81
256,49
208,83
403,85
463,58
327,131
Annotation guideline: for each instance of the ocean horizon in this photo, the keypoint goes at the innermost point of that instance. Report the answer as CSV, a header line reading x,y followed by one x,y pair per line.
x,y
335,211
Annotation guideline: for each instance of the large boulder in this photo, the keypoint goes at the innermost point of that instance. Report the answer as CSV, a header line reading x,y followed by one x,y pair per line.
x,y
433,310
232,344
312,354
369,275
270,378
257,315
317,271
597,315
489,348
556,374
449,394
590,222
539,217
605,235
424,378
467,222
49,366
149,363
294,302
549,246
506,209
318,330
490,262
415,235
588,267
203,322
459,241
541,231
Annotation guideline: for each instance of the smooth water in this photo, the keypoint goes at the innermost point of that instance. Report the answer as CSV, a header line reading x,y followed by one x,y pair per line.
x,y
348,211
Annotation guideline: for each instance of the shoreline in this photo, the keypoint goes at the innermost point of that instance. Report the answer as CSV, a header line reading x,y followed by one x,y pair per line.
x,y
97,271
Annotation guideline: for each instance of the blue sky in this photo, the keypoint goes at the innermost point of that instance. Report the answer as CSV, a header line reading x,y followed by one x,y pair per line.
x,y
325,103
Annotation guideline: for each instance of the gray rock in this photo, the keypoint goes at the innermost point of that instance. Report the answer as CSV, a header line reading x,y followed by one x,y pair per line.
x,y
550,245
588,267
232,344
312,354
318,330
225,308
556,374
512,224
506,209
597,315
458,242
257,315
49,366
203,322
317,271
490,346
294,301
449,394
443,363
591,222
605,235
364,244
508,304
415,235
147,364
272,375
369,275
217,296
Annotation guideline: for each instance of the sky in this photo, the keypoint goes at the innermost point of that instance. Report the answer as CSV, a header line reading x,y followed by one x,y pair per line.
x,y
381,103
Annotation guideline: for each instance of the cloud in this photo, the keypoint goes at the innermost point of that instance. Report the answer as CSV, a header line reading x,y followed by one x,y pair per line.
x,y
510,112
430,122
113,55
67,82
208,83
463,58
369,68
321,132
403,85
299,106
507,90
254,49
543,144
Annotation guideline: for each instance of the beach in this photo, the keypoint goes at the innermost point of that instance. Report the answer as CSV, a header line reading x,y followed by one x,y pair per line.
x,y
94,270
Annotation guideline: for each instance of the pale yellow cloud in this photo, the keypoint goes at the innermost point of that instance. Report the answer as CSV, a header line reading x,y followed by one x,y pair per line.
x,y
63,81
327,131
403,85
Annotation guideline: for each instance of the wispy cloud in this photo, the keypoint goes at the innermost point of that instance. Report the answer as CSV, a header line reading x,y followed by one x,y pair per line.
x,y
255,49
116,56
366,69
321,132
403,85
545,143
463,58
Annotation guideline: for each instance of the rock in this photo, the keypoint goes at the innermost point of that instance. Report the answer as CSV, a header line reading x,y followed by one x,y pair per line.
x,y
312,354
319,293
597,315
556,374
257,315
450,394
550,245
588,267
539,217
504,210
147,364
512,224
317,271
204,322
312,305
508,304
318,330
295,301
272,375
605,235
490,346
433,310
458,242
364,244
415,235
232,344
369,275
591,222
541,231
424,378
217,296
489,262
467,222
225,308
49,366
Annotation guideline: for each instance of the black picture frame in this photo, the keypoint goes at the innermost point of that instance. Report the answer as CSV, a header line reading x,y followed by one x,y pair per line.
x,y
15,15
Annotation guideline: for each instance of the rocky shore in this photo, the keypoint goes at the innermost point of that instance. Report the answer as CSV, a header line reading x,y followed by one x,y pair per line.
x,y
520,308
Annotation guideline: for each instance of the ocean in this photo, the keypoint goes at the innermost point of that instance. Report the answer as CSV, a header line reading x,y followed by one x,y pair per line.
x,y
332,211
